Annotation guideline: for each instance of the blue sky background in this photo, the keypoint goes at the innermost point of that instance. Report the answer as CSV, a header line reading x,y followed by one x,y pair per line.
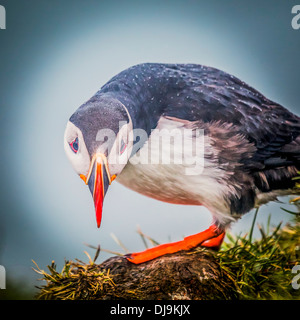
x,y
54,55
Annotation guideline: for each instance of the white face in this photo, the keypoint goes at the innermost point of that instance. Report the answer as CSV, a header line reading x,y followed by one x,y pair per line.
x,y
80,159
76,150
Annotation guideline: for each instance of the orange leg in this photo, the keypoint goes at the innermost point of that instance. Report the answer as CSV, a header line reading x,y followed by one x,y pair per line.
x,y
214,242
186,244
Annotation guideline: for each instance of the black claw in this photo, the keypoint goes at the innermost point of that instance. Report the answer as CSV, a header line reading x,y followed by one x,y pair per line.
x,y
128,256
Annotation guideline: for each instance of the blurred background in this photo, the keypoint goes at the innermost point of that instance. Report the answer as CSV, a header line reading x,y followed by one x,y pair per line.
x,y
54,55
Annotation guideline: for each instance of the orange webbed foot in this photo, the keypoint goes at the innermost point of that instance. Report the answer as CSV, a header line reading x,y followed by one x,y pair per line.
x,y
212,237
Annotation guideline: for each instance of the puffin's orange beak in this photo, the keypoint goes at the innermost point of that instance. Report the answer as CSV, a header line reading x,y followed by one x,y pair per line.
x,y
98,192
98,180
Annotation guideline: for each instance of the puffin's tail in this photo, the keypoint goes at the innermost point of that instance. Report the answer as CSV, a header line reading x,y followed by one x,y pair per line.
x,y
281,170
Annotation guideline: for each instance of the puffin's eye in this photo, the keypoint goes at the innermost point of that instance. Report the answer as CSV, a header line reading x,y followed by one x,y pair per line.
x,y
74,145
123,146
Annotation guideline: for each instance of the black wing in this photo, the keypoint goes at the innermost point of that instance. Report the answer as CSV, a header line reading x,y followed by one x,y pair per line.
x,y
213,95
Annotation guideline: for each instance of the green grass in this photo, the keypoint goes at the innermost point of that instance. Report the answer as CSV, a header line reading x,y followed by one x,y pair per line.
x,y
262,269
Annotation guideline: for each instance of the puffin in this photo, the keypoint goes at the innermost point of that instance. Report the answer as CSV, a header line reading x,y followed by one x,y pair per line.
x,y
185,134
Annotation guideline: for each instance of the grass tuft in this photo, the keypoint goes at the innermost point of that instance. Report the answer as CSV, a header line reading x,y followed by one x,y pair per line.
x,y
76,281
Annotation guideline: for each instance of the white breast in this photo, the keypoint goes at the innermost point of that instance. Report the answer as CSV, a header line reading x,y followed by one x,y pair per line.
x,y
191,182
